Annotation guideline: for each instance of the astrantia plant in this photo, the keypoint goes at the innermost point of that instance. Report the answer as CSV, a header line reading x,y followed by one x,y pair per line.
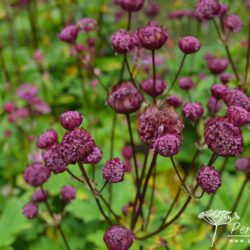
x,y
132,126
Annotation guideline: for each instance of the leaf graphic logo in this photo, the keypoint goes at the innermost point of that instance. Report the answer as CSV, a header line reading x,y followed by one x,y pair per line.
x,y
218,218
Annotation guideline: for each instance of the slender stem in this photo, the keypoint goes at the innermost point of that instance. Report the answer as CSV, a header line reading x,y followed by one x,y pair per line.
x,y
179,176
129,71
227,50
212,159
58,226
177,74
94,193
129,20
248,53
133,148
140,184
144,191
4,68
103,187
151,199
215,232
236,203
75,177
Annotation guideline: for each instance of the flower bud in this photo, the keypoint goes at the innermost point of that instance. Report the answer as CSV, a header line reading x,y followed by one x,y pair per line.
x,y
232,23
9,107
113,171
131,5
207,9
71,120
214,105
68,193
217,65
242,164
186,83
47,139
30,210
118,237
174,101
69,34
238,116
125,98
218,90
209,179
189,44
40,195
193,111
152,36
148,87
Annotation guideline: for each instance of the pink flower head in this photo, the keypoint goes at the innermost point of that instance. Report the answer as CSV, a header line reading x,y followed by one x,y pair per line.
x,y
207,9
122,41
68,193
217,65
94,157
223,138
189,44
9,107
232,23
71,120
38,56
193,111
26,91
238,116
131,5
125,98
242,164
174,101
47,139
152,36
148,87
118,238
69,34
186,83
218,90
30,210
209,179
36,175
113,171
127,152
40,195
214,105
152,9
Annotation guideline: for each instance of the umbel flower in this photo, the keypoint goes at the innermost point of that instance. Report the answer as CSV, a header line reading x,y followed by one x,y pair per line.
x,y
47,139
69,34
217,65
193,111
30,210
238,116
68,193
148,87
174,101
186,83
223,138
118,238
71,120
218,90
232,23
155,121
125,98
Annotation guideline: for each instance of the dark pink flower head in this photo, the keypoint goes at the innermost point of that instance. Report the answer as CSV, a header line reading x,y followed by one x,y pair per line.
x,y
214,105
40,195
168,145
189,44
209,179
207,9
242,164
26,91
232,23
18,114
9,107
71,120
223,138
54,159
118,238
156,121
223,9
208,56
36,175
77,145
136,40
87,24
186,83
217,65
125,98
218,90
193,110
94,157
238,116
174,101
30,210
47,139
122,41
69,34
236,97
68,193
152,36
152,9
225,78
38,56
127,152
131,5
113,171
148,87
